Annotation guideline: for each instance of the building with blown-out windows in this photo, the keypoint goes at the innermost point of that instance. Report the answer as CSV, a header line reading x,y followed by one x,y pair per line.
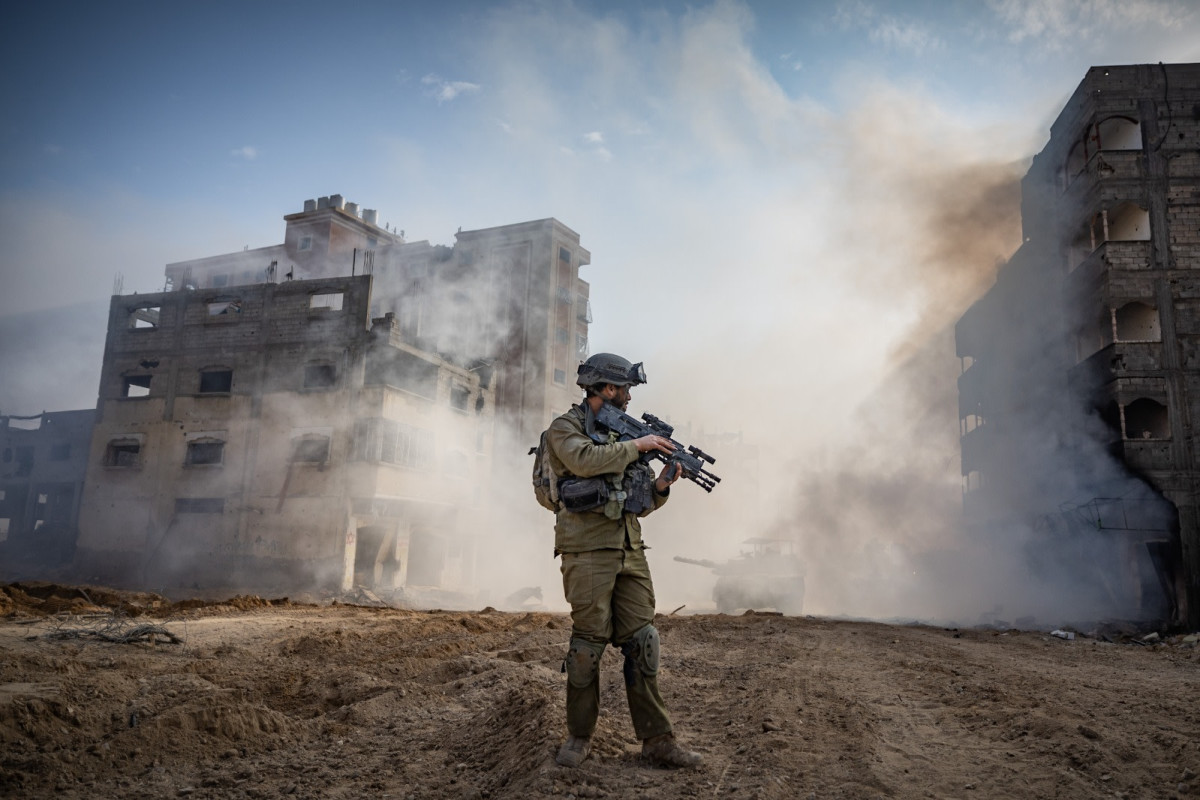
x,y
329,412
273,437
1080,391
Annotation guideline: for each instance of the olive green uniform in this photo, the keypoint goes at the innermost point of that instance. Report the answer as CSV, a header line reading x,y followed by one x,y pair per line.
x,y
606,580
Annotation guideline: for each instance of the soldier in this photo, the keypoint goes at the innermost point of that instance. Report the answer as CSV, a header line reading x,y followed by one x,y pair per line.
x,y
603,489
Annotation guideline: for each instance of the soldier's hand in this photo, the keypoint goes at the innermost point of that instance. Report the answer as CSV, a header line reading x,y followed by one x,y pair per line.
x,y
670,473
652,442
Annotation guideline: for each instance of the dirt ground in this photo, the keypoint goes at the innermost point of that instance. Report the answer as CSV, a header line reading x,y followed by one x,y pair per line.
x,y
269,698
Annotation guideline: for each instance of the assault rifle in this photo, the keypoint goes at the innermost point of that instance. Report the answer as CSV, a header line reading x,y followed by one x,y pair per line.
x,y
690,458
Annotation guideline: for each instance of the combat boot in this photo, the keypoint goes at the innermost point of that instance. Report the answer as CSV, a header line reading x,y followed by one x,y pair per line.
x,y
665,752
573,751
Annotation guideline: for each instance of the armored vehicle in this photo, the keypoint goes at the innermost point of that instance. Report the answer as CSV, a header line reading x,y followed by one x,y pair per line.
x,y
768,576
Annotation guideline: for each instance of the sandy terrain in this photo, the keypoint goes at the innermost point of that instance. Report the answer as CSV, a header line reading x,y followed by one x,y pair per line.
x,y
275,699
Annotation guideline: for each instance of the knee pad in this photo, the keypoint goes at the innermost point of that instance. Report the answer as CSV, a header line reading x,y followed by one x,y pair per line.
x,y
583,663
641,654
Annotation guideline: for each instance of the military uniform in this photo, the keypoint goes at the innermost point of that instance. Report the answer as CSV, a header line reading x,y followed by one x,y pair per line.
x,y
606,578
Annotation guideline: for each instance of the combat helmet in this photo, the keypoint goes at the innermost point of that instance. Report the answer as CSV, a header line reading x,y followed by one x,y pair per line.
x,y
609,368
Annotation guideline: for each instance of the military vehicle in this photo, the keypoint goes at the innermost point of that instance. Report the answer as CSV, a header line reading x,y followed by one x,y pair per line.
x,y
768,576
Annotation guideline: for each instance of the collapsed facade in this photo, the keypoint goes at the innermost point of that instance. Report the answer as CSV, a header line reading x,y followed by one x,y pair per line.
x,y
325,413
1081,367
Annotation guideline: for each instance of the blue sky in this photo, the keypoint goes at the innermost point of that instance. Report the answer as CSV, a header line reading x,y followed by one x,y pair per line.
x,y
782,200
775,166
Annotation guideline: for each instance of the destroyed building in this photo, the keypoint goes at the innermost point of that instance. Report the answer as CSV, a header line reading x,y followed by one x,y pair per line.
x,y
324,413
272,436
43,459
507,301
1080,386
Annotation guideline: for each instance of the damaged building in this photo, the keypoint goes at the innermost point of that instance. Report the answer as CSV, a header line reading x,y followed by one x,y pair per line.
x,y
1080,386
326,413
43,460
507,301
273,436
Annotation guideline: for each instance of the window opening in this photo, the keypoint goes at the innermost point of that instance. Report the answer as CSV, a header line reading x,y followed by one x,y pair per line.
x,y
970,422
393,442
1137,322
218,308
319,376
205,452
123,453
145,318
135,386
1146,419
1119,133
216,381
311,449
1127,223
460,396
331,301
560,376
306,243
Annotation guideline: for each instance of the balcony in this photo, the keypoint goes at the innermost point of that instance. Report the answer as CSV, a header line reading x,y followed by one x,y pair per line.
x,y
1113,255
970,384
1117,360
975,447
1147,455
1107,166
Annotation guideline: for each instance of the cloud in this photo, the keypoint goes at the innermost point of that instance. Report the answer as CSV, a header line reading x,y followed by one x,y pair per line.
x,y
444,91
886,29
595,140
1079,21
248,152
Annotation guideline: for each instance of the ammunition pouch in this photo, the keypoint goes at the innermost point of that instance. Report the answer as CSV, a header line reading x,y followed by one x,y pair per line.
x,y
582,494
639,488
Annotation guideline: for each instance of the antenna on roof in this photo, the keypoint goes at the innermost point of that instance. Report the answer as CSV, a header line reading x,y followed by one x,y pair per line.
x,y
118,283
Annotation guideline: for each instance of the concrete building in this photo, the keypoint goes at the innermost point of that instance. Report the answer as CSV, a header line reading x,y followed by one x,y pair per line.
x,y
43,460
273,437
507,301
1081,367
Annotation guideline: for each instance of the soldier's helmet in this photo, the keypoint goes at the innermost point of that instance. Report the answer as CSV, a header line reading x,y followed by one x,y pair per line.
x,y
609,368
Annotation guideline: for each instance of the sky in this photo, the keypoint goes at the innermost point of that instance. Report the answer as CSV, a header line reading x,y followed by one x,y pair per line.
x,y
784,201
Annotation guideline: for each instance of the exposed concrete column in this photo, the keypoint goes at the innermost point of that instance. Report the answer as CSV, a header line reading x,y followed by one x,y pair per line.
x,y
349,548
